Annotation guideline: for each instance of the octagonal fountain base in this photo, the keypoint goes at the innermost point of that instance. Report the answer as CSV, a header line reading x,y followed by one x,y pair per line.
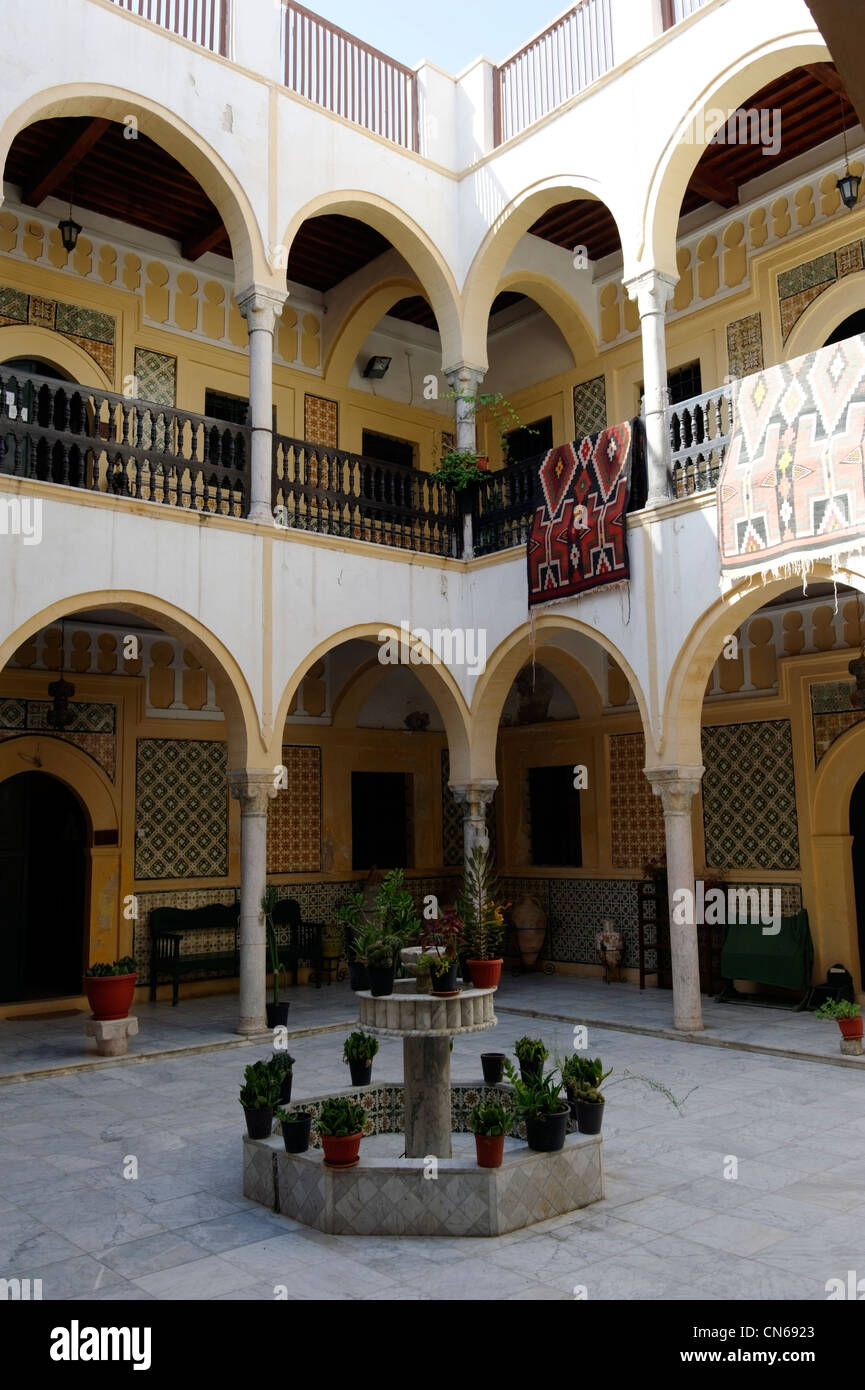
x,y
386,1195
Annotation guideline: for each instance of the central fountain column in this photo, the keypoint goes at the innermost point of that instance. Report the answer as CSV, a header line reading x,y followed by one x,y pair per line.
x,y
427,1097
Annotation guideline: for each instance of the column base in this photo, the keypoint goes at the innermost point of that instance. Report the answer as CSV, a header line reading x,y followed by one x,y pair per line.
x,y
694,1025
112,1035
259,511
250,1026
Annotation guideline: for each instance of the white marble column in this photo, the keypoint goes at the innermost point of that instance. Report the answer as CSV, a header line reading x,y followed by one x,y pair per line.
x,y
677,787
261,308
653,291
253,789
474,798
465,382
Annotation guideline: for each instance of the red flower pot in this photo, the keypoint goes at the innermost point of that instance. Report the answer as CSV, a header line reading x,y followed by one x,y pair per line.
x,y
110,996
341,1151
490,1150
850,1027
485,973
483,463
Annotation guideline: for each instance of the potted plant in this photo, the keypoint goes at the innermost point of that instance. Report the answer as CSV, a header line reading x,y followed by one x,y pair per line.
x,y
277,1012
392,924
540,1102
358,1051
583,1077
340,1124
490,1122
848,1016
531,1055
259,1095
295,1130
350,915
282,1067
459,468
493,1064
484,921
110,988
377,951
441,940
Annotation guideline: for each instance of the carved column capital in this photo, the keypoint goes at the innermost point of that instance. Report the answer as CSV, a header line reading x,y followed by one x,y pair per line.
x,y
676,786
474,797
261,306
253,789
652,290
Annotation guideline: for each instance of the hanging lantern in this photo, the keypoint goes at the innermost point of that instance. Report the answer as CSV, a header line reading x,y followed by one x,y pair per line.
x,y
69,230
848,187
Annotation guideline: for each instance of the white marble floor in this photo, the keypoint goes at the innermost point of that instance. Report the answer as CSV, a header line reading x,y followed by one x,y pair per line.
x,y
730,1173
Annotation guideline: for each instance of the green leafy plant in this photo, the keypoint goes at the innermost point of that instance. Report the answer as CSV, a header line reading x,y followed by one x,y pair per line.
x,y
537,1095
281,1065
261,1087
268,903
838,1008
289,1117
393,923
359,1047
379,951
351,917
459,468
529,1051
441,940
340,1117
124,966
498,407
491,1117
481,913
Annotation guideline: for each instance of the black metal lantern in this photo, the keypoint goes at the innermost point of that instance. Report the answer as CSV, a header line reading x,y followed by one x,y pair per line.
x,y
69,230
60,715
848,187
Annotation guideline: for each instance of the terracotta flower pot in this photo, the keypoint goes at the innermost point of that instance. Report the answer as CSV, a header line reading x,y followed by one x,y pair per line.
x,y
341,1151
490,1150
850,1027
110,996
485,973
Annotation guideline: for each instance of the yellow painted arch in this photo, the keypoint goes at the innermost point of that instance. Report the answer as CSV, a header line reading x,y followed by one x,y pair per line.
x,y
24,340
565,313
824,314
71,766
359,321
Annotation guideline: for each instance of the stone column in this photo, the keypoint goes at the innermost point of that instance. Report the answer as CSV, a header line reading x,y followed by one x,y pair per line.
x,y
474,797
253,789
652,292
261,307
465,381
677,787
427,1097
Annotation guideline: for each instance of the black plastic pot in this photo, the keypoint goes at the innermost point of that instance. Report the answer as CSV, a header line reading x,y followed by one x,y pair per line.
x,y
546,1133
295,1134
358,976
360,1073
380,980
285,1091
493,1064
590,1116
259,1123
531,1069
277,1015
446,981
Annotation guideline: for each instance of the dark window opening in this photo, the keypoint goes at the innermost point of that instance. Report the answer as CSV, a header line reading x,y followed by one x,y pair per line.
x,y
848,329
554,817
530,440
384,448
685,382
381,820
233,409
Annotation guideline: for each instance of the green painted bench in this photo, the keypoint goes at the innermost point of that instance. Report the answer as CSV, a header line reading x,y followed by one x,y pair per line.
x,y
169,926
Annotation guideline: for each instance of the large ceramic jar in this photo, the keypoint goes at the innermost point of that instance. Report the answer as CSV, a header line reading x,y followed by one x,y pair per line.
x,y
530,925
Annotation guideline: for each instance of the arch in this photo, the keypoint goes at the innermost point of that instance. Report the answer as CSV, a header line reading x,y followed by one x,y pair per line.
x,y
73,767
510,657
410,240
724,91
837,925
243,732
435,677
488,265
565,313
22,340
359,321
837,773
178,139
689,675
824,314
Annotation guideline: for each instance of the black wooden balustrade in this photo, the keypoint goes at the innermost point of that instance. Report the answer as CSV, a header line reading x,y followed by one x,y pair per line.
x,y
699,434
84,437
316,488
502,507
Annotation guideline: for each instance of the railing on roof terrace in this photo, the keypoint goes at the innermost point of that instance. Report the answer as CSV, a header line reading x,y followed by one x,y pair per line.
x,y
568,56
345,75
673,11
203,21
699,435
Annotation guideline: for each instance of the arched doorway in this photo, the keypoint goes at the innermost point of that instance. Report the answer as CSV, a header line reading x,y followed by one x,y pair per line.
x,y
853,324
44,836
857,831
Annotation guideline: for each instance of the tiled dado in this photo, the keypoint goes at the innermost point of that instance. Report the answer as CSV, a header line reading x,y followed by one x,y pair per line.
x,y
92,728
204,942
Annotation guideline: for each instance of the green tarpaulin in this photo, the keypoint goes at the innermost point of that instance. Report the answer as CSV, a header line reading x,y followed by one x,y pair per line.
x,y
784,960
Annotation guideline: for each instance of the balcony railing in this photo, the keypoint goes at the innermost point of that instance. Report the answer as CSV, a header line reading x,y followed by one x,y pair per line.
x,y
203,21
345,75
82,436
673,11
553,67
699,435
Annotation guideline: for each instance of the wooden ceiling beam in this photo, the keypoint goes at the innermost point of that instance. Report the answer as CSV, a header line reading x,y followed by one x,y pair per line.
x,y
63,159
714,187
203,238
828,75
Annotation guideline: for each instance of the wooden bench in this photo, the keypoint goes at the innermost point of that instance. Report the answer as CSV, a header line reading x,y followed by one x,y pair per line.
x,y
168,928
302,941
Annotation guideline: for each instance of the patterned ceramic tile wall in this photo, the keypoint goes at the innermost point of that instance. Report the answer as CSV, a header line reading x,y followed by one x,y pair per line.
x,y
90,329
181,809
749,796
202,943
636,813
156,376
321,421
832,713
294,815
745,346
452,819
799,287
92,728
590,407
